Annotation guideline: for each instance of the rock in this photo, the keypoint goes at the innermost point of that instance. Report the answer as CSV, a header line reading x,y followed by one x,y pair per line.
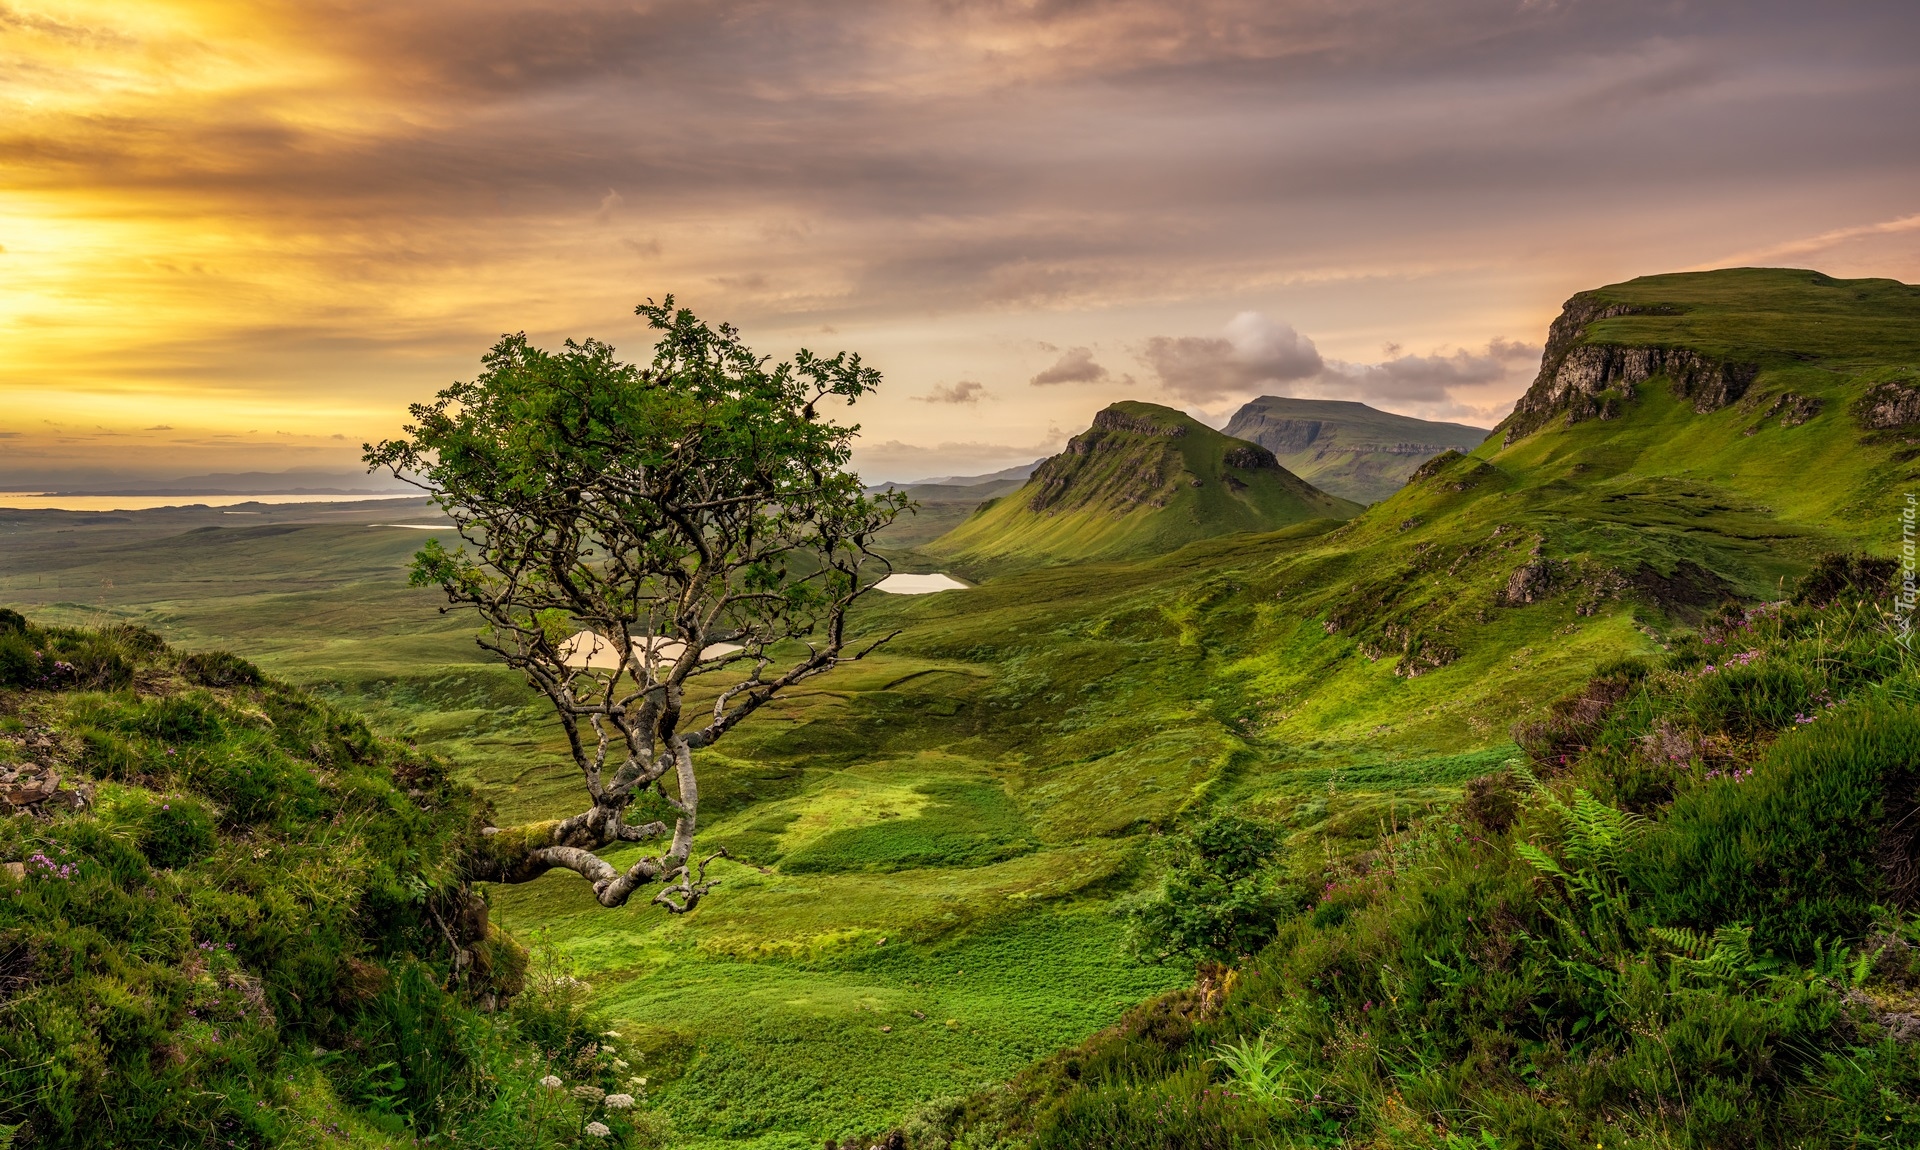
x,y
15,871
1890,405
1111,420
1585,381
1251,457
25,787
1429,657
1529,582
76,800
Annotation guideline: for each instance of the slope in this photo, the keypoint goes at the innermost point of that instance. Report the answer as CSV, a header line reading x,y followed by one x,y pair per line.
x,y
231,915
1345,448
1144,479
979,792
1694,444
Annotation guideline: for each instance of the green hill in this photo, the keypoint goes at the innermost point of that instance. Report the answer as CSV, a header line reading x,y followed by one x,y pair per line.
x,y
1345,448
1144,479
927,846
1655,947
230,915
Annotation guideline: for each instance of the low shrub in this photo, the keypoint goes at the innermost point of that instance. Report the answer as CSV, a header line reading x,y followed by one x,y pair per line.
x,y
219,669
209,957
176,833
1802,844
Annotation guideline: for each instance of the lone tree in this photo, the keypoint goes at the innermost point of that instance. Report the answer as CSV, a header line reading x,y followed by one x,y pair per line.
x,y
629,530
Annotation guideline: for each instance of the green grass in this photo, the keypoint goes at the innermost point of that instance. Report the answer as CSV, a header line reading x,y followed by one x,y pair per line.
x,y
241,940
998,775
1686,935
1148,482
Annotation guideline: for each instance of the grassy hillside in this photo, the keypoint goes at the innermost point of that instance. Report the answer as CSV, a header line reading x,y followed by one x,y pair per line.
x,y
1142,480
232,916
1345,448
1028,753
1684,918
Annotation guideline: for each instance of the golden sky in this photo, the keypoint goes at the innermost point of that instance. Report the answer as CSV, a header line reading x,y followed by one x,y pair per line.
x,y
245,236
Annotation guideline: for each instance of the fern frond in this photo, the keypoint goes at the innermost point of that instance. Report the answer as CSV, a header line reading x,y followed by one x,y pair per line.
x,y
1689,943
1539,860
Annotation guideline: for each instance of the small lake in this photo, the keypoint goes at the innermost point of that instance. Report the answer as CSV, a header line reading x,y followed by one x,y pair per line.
x,y
902,584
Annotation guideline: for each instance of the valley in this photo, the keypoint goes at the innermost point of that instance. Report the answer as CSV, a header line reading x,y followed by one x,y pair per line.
x,y
1164,623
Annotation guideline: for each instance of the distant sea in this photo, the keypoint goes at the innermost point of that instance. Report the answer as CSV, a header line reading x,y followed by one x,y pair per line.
x,y
40,501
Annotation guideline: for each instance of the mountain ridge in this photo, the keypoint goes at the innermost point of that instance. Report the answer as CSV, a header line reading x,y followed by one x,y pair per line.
x,y
1141,479
1345,447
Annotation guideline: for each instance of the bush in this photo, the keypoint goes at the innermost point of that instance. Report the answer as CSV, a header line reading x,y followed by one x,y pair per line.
x,y
219,669
176,832
1798,846
1217,903
20,663
255,782
1835,576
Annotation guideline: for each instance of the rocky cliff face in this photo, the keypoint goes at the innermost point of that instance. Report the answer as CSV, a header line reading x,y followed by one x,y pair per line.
x,y
1582,380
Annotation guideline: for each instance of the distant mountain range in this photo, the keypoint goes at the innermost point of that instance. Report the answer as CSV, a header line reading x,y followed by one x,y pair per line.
x,y
1017,472
1345,448
1143,479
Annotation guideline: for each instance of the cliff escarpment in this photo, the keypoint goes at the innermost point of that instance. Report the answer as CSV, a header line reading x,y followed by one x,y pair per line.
x,y
1582,378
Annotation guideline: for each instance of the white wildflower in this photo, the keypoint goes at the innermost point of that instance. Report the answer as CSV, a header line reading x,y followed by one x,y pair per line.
x,y
619,1101
611,1034
619,1064
552,1082
599,1129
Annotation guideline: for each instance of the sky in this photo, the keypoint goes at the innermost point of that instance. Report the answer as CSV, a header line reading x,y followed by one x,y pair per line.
x,y
240,237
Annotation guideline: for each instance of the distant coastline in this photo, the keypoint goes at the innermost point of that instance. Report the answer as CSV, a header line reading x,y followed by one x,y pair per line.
x,y
150,501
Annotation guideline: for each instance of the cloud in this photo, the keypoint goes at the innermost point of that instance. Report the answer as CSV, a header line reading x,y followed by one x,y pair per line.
x,y
1075,365
1426,379
1254,353
397,183
1821,242
965,391
1500,347
159,427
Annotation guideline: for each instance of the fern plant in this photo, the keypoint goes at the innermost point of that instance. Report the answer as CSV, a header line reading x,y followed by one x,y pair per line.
x,y
1595,840
1724,957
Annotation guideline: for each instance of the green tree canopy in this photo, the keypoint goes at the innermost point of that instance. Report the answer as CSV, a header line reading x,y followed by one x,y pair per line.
x,y
629,528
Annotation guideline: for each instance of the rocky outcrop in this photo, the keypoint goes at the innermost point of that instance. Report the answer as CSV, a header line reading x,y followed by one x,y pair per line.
x,y
1582,381
1889,406
1250,457
1111,420
1792,409
1529,582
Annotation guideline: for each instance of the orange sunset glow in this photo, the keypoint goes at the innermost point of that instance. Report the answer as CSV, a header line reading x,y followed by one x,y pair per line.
x,y
244,236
